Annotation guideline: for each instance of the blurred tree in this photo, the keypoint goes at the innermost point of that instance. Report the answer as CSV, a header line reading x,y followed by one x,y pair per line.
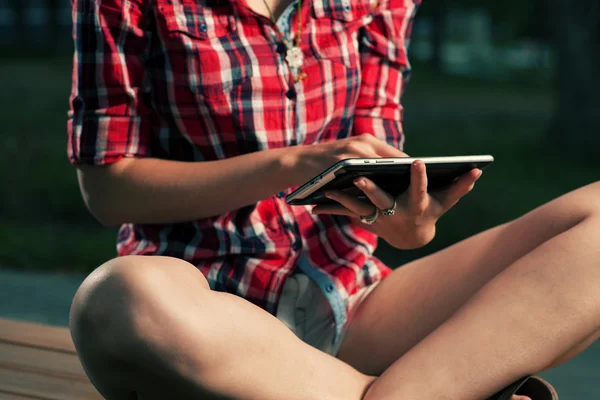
x,y
54,9
23,37
510,12
439,17
437,13
18,9
534,26
573,29
575,34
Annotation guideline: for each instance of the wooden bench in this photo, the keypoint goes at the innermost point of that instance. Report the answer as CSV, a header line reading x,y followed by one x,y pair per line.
x,y
39,362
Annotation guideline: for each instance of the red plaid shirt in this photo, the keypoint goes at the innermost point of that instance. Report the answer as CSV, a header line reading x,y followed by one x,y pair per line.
x,y
199,80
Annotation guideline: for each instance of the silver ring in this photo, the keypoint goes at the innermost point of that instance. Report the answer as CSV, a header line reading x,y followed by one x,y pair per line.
x,y
388,212
370,219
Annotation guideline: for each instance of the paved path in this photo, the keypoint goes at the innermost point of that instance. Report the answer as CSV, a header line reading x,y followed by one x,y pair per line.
x,y
37,297
46,298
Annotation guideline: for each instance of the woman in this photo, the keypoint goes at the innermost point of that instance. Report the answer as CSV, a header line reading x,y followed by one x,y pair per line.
x,y
192,119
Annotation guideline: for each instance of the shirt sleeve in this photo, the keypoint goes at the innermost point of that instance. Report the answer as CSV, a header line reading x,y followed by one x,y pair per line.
x,y
385,71
108,116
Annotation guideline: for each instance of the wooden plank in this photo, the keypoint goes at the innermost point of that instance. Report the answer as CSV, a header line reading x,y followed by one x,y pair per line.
x,y
45,362
36,335
12,396
45,387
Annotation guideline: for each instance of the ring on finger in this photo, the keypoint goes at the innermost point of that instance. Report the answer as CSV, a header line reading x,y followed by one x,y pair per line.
x,y
388,212
370,219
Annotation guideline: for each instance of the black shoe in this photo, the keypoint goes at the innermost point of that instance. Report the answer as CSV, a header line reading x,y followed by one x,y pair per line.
x,y
533,387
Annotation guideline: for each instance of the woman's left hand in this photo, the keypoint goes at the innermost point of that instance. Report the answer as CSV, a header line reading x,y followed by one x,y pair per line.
x,y
412,224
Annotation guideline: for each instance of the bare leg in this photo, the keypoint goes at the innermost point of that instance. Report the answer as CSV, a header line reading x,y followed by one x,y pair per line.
x,y
173,337
150,328
417,298
539,310
574,351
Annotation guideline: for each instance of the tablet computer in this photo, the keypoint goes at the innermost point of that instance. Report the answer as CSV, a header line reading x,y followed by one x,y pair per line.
x,y
391,174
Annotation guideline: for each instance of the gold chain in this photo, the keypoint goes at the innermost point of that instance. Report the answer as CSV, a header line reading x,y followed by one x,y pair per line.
x,y
298,39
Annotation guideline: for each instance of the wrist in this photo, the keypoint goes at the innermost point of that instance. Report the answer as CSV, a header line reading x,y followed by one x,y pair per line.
x,y
412,238
292,164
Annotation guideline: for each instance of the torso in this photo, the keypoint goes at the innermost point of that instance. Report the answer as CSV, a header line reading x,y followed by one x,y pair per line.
x,y
220,87
229,92
213,83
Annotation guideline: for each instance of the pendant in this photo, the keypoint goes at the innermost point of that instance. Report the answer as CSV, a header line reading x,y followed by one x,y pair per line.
x,y
294,57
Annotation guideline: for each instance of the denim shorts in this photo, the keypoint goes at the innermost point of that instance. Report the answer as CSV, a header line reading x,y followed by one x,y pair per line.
x,y
305,310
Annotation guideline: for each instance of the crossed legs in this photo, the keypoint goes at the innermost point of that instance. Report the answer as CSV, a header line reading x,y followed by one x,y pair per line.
x,y
461,323
512,301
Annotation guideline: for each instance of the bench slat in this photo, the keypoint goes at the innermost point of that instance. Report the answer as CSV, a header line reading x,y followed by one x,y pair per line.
x,y
44,362
12,396
36,335
45,387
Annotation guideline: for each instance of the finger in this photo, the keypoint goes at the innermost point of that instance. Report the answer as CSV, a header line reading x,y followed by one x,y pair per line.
x,y
417,191
385,150
382,148
332,210
353,204
460,188
379,197
361,148
517,397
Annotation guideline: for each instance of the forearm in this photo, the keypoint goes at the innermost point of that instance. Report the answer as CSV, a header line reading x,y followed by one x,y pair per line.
x,y
153,191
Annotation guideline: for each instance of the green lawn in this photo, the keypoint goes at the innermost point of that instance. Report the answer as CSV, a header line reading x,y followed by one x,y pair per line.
x,y
45,225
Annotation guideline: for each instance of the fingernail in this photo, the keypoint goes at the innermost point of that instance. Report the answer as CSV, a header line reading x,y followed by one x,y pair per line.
x,y
360,182
330,195
479,174
418,165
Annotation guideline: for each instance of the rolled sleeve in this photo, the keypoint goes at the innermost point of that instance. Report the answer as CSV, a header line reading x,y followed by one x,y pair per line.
x,y
109,116
385,71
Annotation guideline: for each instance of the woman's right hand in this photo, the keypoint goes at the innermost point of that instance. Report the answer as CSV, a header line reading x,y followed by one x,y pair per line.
x,y
310,160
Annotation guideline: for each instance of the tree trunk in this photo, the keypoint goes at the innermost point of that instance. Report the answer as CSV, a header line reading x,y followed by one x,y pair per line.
x,y
54,8
18,8
576,37
438,34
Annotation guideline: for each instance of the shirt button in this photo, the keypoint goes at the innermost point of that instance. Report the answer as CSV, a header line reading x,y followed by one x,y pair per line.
x,y
291,94
281,195
330,288
232,22
296,246
347,7
203,28
281,49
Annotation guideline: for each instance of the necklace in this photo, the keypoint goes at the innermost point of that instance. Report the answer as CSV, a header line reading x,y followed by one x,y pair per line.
x,y
294,56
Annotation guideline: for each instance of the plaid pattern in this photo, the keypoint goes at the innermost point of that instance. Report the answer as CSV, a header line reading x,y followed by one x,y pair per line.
x,y
199,80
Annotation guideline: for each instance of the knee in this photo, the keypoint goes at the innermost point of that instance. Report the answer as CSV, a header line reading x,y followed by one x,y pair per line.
x,y
100,310
112,307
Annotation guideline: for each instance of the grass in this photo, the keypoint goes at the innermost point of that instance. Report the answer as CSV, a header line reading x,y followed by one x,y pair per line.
x,y
58,246
45,225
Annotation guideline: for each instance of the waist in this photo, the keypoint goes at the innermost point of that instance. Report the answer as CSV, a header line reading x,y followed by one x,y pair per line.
x,y
269,229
